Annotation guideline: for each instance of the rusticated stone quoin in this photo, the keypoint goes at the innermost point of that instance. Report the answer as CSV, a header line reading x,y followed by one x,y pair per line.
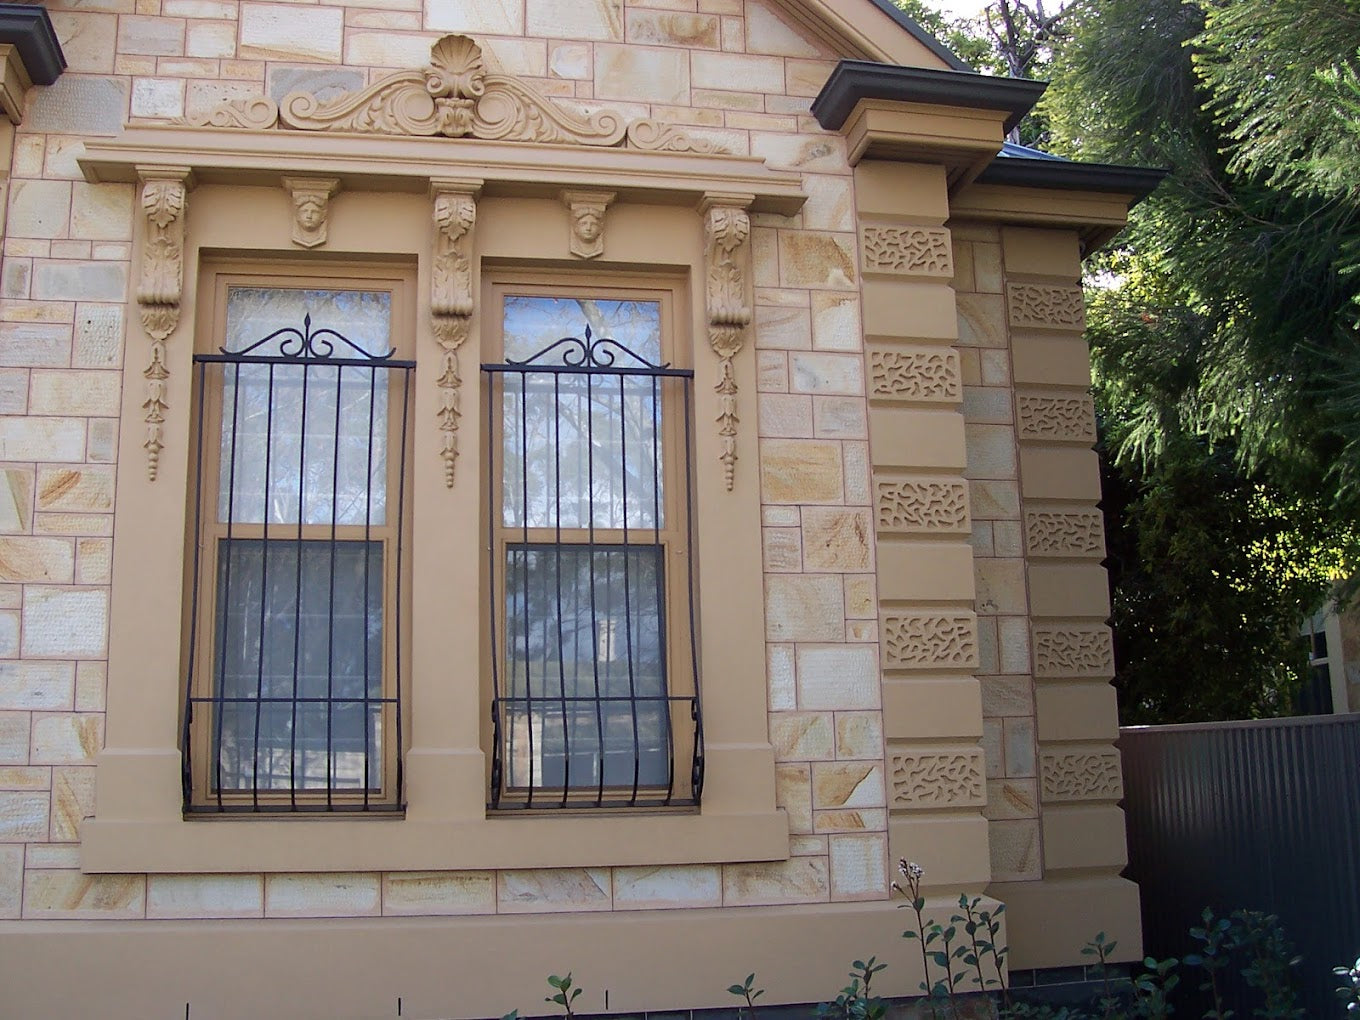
x,y
1059,419
937,779
921,506
909,251
1045,307
1073,651
1065,533
1080,775
930,640
915,375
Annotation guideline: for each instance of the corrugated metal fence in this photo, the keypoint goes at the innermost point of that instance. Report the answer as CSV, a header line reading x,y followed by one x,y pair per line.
x,y
1256,815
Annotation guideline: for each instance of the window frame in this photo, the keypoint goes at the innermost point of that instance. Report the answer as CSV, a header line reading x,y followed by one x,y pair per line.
x,y
217,278
678,539
238,211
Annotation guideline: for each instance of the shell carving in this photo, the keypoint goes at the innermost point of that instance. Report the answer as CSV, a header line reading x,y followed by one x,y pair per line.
x,y
454,96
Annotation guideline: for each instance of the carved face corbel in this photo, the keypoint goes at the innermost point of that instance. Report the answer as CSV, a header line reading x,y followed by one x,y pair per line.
x,y
451,302
311,204
727,229
587,221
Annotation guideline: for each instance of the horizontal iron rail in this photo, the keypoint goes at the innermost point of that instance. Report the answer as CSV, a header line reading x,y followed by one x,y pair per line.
x,y
265,359
518,369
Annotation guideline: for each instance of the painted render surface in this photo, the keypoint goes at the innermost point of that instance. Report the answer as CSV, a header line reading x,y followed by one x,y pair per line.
x,y
912,508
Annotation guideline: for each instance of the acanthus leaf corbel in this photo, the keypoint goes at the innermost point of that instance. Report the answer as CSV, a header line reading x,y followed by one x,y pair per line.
x,y
164,199
451,301
727,234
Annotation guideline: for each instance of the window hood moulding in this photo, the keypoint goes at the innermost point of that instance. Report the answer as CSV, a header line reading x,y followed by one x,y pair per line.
x,y
451,117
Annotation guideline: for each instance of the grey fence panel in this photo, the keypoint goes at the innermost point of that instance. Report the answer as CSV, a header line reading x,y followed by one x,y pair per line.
x,y
1257,815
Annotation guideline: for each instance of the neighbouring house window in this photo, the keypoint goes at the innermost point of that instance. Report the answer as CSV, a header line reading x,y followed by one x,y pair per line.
x,y
295,630
591,584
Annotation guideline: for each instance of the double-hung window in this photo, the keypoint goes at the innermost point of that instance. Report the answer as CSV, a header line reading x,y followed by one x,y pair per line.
x,y
295,635
591,593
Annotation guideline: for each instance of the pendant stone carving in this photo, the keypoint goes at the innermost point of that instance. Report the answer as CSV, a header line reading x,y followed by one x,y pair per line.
x,y
727,229
311,204
587,221
451,304
457,97
163,198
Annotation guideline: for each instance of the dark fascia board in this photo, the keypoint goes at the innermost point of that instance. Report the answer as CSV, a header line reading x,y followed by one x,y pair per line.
x,y
1071,176
853,80
920,34
29,30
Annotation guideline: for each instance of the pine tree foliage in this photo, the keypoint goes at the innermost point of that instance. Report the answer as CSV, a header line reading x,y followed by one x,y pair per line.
x,y
1224,333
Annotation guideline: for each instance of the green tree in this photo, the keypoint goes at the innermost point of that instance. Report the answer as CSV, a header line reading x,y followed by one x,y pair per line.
x,y
1224,333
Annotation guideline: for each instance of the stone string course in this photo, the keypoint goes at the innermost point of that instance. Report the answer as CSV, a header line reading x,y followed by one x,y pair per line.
x,y
728,70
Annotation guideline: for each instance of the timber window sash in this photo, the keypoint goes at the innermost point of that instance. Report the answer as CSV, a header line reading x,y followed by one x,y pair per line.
x,y
293,690
593,658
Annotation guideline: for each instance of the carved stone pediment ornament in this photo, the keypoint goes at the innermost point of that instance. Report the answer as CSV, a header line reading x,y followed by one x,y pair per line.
x,y
587,221
163,200
451,304
311,204
457,97
727,229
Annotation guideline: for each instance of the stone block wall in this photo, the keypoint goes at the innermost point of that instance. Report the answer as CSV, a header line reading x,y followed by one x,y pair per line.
x,y
730,70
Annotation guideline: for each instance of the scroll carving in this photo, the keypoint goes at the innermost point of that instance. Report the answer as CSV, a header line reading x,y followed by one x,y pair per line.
x,y
1056,418
1073,652
1065,532
1080,775
914,375
934,779
922,506
908,251
164,196
1045,306
453,96
727,229
311,204
587,221
930,640
451,304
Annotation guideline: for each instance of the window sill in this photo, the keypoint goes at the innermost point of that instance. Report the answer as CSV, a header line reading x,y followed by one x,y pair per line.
x,y
140,839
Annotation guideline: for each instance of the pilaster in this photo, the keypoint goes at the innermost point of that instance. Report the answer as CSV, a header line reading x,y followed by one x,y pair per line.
x,y
932,714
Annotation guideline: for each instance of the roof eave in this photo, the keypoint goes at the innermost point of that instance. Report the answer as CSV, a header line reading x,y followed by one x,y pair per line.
x,y
855,80
29,30
1139,182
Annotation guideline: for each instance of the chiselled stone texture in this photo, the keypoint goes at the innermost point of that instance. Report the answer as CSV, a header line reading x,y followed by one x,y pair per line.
x,y
922,505
931,779
929,640
1073,651
1061,419
915,375
1080,775
1065,532
908,251
1045,306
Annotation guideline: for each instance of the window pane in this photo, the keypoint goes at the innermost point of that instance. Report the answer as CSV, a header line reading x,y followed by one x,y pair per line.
x,y
582,450
329,464
299,642
585,662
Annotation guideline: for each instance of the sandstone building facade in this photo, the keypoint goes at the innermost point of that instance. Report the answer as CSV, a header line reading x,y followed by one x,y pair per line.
x,y
494,487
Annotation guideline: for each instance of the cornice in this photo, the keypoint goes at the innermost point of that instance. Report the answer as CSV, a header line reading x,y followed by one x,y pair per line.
x,y
394,163
856,80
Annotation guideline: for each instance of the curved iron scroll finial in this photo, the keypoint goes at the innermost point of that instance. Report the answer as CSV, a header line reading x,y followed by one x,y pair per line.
x,y
309,344
590,352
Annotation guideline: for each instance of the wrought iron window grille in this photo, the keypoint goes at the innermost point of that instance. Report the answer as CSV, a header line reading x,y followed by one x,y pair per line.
x,y
316,720
572,727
